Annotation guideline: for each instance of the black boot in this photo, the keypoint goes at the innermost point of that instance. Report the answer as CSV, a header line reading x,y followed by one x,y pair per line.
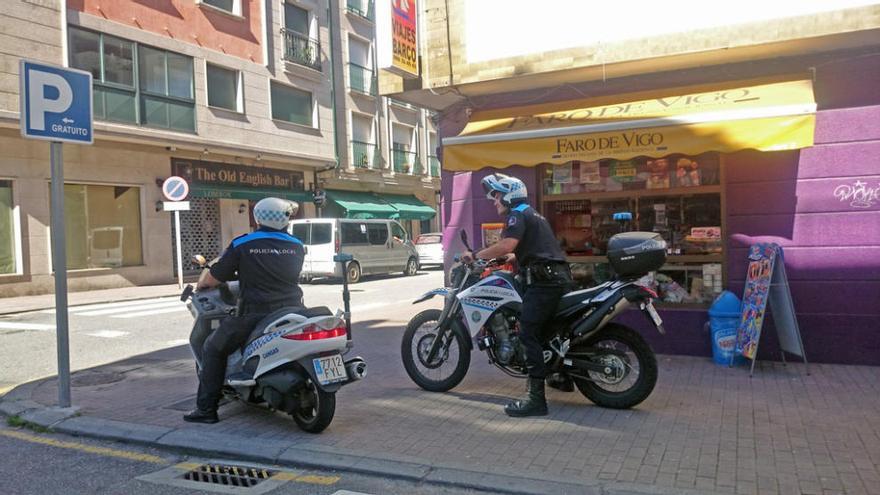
x,y
560,381
199,416
533,404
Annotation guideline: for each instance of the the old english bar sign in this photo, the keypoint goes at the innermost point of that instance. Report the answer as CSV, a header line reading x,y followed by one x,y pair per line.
x,y
223,180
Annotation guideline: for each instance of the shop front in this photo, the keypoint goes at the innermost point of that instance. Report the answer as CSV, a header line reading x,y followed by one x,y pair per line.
x,y
711,169
222,197
407,209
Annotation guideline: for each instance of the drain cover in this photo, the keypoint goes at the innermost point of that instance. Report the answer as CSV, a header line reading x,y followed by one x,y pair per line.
x,y
229,475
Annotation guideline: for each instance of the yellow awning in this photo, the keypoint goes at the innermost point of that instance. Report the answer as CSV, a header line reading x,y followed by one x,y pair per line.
x,y
764,117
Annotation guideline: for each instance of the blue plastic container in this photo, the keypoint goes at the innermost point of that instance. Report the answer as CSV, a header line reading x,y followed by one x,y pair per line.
x,y
724,318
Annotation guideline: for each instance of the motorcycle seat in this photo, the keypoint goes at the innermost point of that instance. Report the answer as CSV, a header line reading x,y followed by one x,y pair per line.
x,y
577,297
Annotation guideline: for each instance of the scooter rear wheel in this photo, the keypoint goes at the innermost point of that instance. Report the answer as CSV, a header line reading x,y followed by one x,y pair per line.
x,y
316,408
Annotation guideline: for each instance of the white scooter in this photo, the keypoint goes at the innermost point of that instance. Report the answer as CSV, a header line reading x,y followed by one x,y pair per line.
x,y
293,359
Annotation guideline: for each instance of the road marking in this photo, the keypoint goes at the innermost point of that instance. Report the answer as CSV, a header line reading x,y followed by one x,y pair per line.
x,y
122,454
11,325
155,305
370,306
119,304
306,478
149,313
346,492
107,334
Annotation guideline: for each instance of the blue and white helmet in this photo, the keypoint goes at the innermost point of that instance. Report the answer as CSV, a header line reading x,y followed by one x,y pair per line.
x,y
512,189
275,213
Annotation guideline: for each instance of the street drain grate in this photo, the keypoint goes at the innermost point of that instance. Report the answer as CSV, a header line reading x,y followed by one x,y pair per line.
x,y
229,475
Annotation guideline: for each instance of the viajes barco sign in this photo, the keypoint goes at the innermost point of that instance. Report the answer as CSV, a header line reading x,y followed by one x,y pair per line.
x,y
229,175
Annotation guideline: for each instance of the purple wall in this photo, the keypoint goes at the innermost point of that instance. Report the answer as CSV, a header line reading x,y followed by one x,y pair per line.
x,y
822,204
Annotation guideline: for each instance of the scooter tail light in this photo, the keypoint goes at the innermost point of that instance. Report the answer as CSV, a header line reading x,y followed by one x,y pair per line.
x,y
315,332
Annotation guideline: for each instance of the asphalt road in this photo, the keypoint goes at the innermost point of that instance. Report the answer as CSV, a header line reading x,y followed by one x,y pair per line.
x,y
108,332
55,464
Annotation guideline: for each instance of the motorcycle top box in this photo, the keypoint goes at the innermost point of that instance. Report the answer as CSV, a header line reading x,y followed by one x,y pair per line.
x,y
636,253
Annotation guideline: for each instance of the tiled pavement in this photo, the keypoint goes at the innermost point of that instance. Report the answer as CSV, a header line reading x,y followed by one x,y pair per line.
x,y
705,428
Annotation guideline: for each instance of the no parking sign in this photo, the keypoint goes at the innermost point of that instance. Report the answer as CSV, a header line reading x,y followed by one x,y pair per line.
x,y
175,188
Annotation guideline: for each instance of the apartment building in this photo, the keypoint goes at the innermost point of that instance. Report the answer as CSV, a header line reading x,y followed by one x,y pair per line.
x,y
237,96
387,148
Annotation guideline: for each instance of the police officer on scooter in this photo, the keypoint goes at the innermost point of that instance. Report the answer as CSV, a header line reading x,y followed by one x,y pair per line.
x,y
267,263
529,236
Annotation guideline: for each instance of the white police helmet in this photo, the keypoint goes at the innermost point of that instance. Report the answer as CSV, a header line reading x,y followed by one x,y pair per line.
x,y
512,190
275,213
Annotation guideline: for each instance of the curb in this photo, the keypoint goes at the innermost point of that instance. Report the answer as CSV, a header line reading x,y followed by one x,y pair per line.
x,y
191,441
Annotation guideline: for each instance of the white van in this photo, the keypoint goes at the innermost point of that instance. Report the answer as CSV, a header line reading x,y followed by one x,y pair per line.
x,y
378,246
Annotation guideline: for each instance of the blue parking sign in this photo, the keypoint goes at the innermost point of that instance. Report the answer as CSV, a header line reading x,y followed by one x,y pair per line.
x,y
56,103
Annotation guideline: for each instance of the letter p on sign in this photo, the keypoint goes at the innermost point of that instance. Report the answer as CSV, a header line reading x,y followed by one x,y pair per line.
x,y
56,103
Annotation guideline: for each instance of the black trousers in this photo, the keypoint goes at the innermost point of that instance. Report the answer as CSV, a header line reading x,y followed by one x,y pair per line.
x,y
230,335
540,302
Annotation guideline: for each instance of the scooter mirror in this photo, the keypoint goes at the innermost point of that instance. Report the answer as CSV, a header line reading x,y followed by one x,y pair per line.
x,y
199,259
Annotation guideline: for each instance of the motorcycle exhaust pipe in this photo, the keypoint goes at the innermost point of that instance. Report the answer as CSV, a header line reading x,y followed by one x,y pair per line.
x,y
356,368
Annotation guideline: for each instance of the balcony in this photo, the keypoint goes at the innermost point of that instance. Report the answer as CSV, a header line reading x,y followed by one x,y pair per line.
x,y
404,161
363,8
434,163
362,79
364,155
302,50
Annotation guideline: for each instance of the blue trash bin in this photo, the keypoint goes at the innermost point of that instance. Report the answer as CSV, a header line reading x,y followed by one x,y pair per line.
x,y
724,318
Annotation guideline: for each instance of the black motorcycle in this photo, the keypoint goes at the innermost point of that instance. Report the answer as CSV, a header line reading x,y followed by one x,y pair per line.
x,y
610,364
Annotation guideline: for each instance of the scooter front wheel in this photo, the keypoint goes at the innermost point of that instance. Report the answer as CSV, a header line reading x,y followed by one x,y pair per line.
x,y
315,408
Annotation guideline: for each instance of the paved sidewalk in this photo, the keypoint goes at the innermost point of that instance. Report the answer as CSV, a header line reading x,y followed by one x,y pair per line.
x,y
21,304
704,430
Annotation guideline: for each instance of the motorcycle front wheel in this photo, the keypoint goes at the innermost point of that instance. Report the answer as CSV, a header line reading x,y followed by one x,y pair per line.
x,y
315,408
450,365
632,363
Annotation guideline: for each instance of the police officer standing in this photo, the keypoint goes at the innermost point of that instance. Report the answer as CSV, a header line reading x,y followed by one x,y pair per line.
x,y
529,236
267,263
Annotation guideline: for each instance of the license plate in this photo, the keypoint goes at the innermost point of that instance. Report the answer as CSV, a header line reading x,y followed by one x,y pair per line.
x,y
649,307
329,369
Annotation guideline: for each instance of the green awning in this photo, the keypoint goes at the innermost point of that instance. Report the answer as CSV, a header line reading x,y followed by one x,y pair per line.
x,y
221,192
409,207
361,204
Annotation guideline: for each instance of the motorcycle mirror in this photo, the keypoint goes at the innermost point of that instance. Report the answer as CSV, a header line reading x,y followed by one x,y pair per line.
x,y
464,239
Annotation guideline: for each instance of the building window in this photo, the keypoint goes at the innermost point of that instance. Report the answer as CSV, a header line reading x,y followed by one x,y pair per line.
x,y
224,88
111,62
364,151
301,44
160,96
166,80
8,239
103,226
231,6
405,158
291,105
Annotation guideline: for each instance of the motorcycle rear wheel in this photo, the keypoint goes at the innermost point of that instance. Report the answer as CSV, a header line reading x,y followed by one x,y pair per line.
x,y
315,408
620,338
419,334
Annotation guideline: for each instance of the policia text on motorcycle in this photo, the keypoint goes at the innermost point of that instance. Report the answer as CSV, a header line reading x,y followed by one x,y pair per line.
x,y
267,263
530,238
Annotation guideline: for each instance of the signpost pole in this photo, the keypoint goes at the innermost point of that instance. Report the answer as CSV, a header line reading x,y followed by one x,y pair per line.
x,y
179,254
59,263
